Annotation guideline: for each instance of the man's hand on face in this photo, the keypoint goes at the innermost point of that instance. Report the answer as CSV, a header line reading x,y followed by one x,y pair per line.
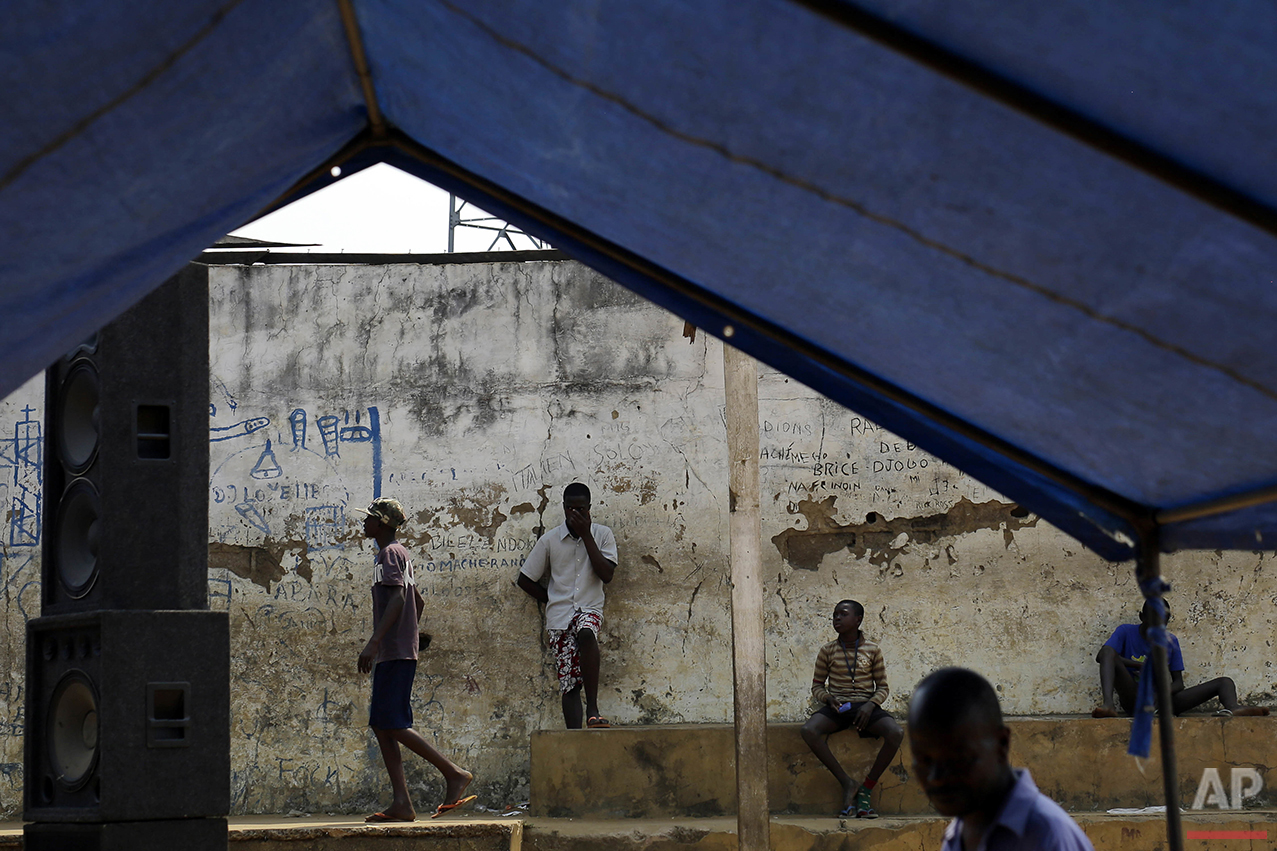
x,y
578,521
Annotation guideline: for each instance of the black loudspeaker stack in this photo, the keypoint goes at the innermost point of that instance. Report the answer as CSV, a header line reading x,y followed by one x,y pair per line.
x,y
128,693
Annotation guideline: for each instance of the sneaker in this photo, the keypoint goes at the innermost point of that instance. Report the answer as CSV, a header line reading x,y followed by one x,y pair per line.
x,y
864,807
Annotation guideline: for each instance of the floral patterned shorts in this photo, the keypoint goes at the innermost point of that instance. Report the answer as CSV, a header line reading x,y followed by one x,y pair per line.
x,y
563,642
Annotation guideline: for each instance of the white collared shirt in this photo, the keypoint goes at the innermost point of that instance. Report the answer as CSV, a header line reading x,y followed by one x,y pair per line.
x,y
574,586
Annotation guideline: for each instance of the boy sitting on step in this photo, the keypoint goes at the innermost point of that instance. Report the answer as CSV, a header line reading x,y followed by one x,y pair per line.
x,y
1123,656
850,684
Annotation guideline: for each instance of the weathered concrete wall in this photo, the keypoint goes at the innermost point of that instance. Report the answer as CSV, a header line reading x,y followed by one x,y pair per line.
x,y
677,770
473,393
21,477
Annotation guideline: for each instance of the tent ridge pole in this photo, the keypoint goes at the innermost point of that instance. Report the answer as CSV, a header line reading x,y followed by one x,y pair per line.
x,y
357,54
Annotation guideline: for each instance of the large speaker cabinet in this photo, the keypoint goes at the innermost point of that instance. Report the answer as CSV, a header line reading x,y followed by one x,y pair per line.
x,y
126,466
128,696
128,716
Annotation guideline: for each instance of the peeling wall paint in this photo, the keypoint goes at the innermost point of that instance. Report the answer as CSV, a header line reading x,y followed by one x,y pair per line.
x,y
474,393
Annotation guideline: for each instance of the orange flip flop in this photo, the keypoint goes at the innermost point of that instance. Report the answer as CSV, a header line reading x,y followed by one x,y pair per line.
x,y
379,818
443,808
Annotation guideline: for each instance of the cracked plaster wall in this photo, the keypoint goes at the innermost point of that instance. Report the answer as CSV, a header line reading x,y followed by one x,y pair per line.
x,y
474,393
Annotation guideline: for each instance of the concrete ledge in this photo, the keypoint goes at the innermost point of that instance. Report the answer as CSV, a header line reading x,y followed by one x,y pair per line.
x,y
689,770
789,833
350,833
898,833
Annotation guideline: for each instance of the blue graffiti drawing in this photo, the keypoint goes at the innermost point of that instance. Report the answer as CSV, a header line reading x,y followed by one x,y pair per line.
x,y
239,429
374,426
28,591
328,432
24,455
230,400
324,523
297,419
356,434
219,589
250,513
267,467
10,771
24,519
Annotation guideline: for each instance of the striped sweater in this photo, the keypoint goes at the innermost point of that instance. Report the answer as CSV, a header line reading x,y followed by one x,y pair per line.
x,y
833,678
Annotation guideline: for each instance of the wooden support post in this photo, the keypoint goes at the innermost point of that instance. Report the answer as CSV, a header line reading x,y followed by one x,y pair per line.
x,y
740,384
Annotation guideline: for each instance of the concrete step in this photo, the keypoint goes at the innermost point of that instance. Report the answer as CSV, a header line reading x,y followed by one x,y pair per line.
x,y
689,769
349,833
788,833
895,833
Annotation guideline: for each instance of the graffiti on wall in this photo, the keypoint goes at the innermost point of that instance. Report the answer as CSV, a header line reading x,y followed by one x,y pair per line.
x,y
292,480
22,472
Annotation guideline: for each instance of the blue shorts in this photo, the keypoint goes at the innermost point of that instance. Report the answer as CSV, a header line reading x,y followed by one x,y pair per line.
x,y
391,706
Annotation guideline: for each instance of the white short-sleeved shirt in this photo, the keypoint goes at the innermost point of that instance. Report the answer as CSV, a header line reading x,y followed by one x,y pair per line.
x,y
574,586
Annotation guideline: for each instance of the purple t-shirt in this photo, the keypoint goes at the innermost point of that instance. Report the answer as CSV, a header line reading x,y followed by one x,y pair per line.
x,y
393,570
1128,642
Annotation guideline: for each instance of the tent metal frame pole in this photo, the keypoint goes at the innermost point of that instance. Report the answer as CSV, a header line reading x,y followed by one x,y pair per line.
x,y
1148,572
1059,117
1213,507
350,23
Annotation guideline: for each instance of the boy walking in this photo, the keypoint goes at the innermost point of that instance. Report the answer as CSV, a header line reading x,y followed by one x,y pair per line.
x,y
391,655
850,684
581,558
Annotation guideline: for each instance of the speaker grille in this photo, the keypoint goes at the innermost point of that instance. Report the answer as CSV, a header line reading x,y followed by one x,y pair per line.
x,y
79,431
73,729
76,556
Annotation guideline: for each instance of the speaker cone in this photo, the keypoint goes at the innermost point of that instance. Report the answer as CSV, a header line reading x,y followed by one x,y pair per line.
x,y
76,556
78,427
73,730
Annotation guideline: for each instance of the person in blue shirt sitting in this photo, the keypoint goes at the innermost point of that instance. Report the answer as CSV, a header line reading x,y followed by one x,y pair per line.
x,y
1122,659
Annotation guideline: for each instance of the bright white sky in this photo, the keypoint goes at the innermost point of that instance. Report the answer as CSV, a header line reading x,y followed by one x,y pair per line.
x,y
380,210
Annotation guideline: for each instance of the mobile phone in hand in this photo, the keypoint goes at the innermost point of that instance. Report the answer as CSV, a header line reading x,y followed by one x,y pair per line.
x,y
846,707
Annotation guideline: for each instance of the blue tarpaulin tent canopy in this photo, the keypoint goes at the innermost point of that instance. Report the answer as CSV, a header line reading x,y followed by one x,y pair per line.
x,y
1037,239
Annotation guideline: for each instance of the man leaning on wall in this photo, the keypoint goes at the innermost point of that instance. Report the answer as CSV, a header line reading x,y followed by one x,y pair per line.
x,y
580,556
